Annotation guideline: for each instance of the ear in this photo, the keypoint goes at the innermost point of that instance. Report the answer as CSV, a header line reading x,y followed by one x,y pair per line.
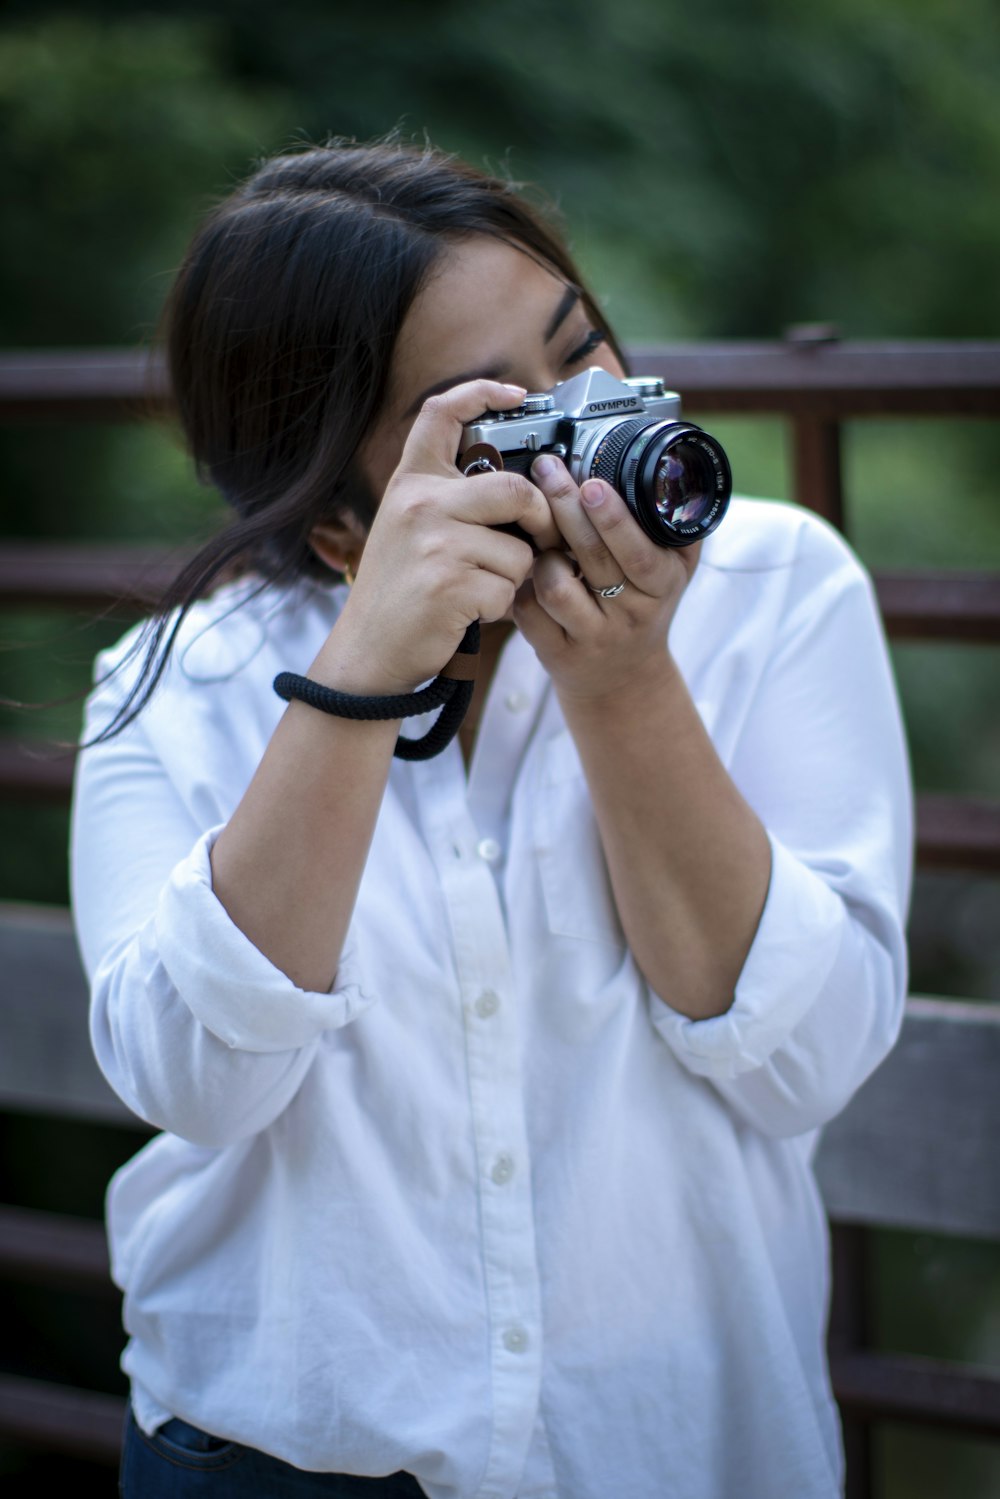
x,y
339,542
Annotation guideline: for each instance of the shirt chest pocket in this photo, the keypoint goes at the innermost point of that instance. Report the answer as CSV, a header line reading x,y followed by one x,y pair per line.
x,y
574,877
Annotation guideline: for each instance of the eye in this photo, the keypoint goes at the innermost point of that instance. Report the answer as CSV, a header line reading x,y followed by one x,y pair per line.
x,y
593,341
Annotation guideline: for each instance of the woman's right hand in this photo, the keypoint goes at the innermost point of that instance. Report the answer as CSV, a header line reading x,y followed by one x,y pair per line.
x,y
288,863
431,563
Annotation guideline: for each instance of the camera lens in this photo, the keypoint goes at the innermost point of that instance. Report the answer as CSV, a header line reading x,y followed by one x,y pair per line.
x,y
674,477
683,485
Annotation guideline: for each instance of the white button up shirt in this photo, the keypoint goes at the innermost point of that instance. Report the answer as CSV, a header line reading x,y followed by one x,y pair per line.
x,y
491,1211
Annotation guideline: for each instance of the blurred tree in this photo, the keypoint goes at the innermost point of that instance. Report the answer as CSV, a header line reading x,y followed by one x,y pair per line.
x,y
114,137
729,168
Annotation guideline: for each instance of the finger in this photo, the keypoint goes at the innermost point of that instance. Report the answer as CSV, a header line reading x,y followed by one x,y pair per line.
x,y
648,567
535,623
485,499
507,498
435,435
597,563
497,552
558,591
487,596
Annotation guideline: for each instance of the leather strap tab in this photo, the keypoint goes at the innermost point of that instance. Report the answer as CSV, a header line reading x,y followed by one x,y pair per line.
x,y
461,667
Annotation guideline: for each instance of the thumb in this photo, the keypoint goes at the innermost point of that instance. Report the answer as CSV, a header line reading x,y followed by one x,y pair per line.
x,y
435,435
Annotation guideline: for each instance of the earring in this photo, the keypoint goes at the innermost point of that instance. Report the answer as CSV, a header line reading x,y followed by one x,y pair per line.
x,y
349,575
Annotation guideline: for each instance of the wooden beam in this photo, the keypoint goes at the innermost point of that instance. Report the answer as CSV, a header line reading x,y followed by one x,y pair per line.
x,y
850,1329
926,604
87,385
945,605
958,833
817,479
35,772
953,832
830,379
886,1387
46,1065
52,1249
915,1147
91,576
52,1418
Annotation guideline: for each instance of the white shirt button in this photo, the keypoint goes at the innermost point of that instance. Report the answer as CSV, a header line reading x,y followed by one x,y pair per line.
x,y
488,849
502,1169
487,1004
516,702
515,1339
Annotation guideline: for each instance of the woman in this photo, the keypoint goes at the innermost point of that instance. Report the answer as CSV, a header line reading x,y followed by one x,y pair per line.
x,y
490,1082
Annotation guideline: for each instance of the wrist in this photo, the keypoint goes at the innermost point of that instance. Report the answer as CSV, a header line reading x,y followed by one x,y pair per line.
x,y
348,663
630,694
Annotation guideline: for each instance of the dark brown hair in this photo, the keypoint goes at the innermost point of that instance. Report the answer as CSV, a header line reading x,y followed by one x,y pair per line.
x,y
280,330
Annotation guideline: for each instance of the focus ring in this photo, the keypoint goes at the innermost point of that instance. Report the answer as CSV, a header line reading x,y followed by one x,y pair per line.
x,y
611,448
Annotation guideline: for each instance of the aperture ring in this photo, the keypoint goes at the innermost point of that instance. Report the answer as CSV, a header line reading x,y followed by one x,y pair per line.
x,y
611,448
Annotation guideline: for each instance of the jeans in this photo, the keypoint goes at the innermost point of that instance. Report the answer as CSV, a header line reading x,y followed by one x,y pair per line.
x,y
182,1462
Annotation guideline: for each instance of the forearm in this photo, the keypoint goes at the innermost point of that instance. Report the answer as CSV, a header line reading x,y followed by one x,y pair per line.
x,y
689,861
288,865
195,1029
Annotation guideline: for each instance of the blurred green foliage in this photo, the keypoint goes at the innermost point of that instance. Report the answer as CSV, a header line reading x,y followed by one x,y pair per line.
x,y
113,135
726,168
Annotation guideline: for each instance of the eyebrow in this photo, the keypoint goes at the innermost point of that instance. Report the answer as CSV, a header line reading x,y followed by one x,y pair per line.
x,y
449,382
565,306
567,302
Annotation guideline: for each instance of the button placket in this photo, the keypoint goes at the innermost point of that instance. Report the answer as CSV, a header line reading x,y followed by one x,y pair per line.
x,y
508,1234
496,1101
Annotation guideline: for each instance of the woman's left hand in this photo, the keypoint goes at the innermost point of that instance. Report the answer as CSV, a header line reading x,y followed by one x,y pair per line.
x,y
593,647
684,841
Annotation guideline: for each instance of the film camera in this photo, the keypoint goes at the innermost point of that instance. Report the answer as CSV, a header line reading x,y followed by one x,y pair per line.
x,y
674,477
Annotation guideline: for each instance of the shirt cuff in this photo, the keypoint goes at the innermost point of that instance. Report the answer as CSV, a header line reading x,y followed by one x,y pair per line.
x,y
229,986
790,959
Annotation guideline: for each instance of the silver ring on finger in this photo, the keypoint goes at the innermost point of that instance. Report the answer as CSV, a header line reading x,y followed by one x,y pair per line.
x,y
607,593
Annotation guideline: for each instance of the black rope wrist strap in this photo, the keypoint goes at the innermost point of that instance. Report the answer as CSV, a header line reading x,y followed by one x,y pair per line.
x,y
451,691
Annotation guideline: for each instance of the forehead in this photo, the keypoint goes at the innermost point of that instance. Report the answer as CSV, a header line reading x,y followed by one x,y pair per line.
x,y
482,301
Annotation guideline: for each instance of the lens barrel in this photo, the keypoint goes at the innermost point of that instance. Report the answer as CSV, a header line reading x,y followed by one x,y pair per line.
x,y
674,477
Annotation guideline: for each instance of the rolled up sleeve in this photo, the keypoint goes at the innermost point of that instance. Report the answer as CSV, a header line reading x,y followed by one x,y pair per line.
x,y
791,959
822,760
194,1028
230,987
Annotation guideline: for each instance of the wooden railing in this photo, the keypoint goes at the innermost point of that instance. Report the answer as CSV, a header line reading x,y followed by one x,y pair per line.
x,y
915,1147
812,381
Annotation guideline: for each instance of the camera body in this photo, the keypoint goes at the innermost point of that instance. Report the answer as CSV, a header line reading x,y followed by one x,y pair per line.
x,y
674,477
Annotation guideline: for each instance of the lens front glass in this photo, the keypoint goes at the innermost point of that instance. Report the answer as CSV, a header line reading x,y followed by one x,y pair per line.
x,y
674,477
684,485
